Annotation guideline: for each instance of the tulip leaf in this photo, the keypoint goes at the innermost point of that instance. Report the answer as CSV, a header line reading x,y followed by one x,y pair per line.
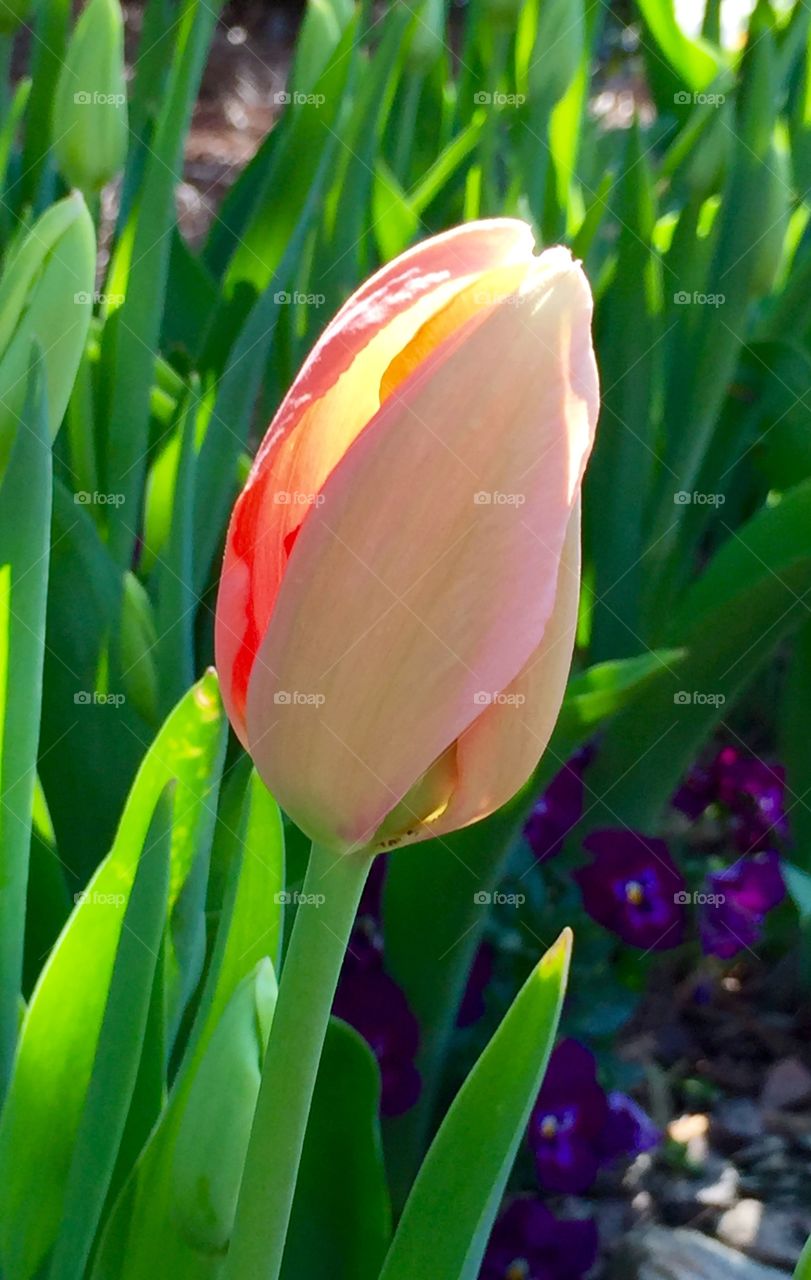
x,y
92,737
456,869
341,1226
450,1211
695,61
60,1032
730,621
25,501
118,1052
140,271
803,1268
48,901
141,1238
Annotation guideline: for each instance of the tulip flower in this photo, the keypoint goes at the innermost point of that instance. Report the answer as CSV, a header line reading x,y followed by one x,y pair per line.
x,y
398,603
399,595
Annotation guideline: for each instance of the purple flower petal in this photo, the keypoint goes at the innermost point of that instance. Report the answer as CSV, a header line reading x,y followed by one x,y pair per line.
x,y
628,1130
633,888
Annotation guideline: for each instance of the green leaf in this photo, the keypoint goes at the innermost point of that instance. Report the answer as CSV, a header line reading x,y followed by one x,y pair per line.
x,y
456,869
61,1028
341,1226
118,1053
796,743
140,271
695,61
803,1269
141,1238
25,502
730,621
454,1201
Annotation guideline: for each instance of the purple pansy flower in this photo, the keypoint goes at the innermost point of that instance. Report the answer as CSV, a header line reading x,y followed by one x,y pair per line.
x,y
558,810
633,888
628,1130
529,1243
567,1120
754,793
697,792
741,896
371,1002
751,791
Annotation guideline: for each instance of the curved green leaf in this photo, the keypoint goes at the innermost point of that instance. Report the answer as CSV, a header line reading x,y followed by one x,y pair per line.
x,y
341,1225
469,1161
61,1029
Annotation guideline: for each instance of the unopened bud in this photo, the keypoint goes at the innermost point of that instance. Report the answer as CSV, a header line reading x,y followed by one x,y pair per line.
x,y
90,103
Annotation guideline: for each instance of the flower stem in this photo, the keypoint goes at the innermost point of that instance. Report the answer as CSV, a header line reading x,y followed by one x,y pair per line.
x,y
323,923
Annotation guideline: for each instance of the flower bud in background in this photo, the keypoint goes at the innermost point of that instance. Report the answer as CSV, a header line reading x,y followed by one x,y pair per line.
x,y
90,103
46,297
414,511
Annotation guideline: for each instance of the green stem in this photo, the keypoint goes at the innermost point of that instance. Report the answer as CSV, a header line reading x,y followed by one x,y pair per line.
x,y
326,911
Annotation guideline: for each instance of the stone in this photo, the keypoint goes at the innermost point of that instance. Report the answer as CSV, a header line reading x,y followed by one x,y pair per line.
x,y
774,1236
787,1084
655,1253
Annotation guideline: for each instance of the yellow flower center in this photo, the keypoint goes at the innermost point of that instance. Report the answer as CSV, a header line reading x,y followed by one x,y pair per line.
x,y
635,893
549,1126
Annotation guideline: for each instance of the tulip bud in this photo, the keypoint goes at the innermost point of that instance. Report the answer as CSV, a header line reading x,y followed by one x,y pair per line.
x,y
213,1134
90,102
138,640
398,602
46,297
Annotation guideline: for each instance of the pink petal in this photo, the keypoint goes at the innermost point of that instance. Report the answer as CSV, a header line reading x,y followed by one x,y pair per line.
x,y
336,393
404,596
498,752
